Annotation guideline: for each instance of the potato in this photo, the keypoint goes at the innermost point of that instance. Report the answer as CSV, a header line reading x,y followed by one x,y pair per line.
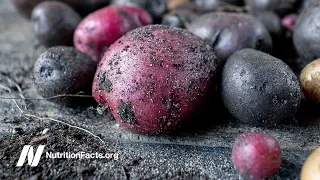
x,y
181,4
154,78
229,32
310,169
84,7
280,7
259,89
54,23
179,18
256,156
235,2
209,5
271,21
25,7
306,35
310,81
156,8
99,30
64,70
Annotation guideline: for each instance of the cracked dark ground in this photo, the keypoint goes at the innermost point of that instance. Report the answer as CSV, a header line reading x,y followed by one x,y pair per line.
x,y
192,153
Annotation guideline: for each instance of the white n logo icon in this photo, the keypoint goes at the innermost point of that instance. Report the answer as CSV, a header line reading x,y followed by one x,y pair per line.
x,y
33,159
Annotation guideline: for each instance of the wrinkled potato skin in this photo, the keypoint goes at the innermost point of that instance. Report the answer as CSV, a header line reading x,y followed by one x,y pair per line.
x,y
310,81
154,78
310,169
230,32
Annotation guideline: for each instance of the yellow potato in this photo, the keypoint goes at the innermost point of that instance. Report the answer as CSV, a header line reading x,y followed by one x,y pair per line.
x,y
310,81
311,167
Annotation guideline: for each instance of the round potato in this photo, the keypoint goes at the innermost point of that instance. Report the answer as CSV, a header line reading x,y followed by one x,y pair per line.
x,y
230,32
54,23
306,34
259,89
154,78
64,70
25,7
310,81
310,169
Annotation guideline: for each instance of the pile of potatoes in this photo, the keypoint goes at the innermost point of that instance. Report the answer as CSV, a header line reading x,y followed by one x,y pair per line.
x,y
156,64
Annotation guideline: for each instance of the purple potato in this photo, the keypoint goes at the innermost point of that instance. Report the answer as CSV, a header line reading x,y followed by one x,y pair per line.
x,y
64,70
230,32
280,7
25,7
306,34
54,23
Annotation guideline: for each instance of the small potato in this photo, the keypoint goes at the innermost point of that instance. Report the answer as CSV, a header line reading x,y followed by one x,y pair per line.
x,y
310,169
289,21
209,5
85,7
306,34
230,32
179,18
310,81
181,4
100,29
271,21
154,78
64,70
259,89
156,8
25,7
54,23
256,156
280,7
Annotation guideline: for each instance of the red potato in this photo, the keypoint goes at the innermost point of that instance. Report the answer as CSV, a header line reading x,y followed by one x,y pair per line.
x,y
103,27
154,78
256,155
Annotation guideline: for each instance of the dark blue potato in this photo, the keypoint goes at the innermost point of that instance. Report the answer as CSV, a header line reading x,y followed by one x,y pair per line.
x,y
64,70
306,35
271,21
235,2
280,7
54,23
230,32
156,8
259,89
84,7
25,7
209,5
179,18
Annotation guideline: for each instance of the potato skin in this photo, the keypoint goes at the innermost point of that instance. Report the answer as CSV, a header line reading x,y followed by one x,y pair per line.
x,y
64,70
156,8
259,89
154,78
256,156
280,7
85,7
310,169
310,81
100,29
229,32
306,34
25,7
54,23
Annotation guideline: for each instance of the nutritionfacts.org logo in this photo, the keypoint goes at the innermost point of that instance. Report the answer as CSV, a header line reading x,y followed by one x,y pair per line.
x,y
33,158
